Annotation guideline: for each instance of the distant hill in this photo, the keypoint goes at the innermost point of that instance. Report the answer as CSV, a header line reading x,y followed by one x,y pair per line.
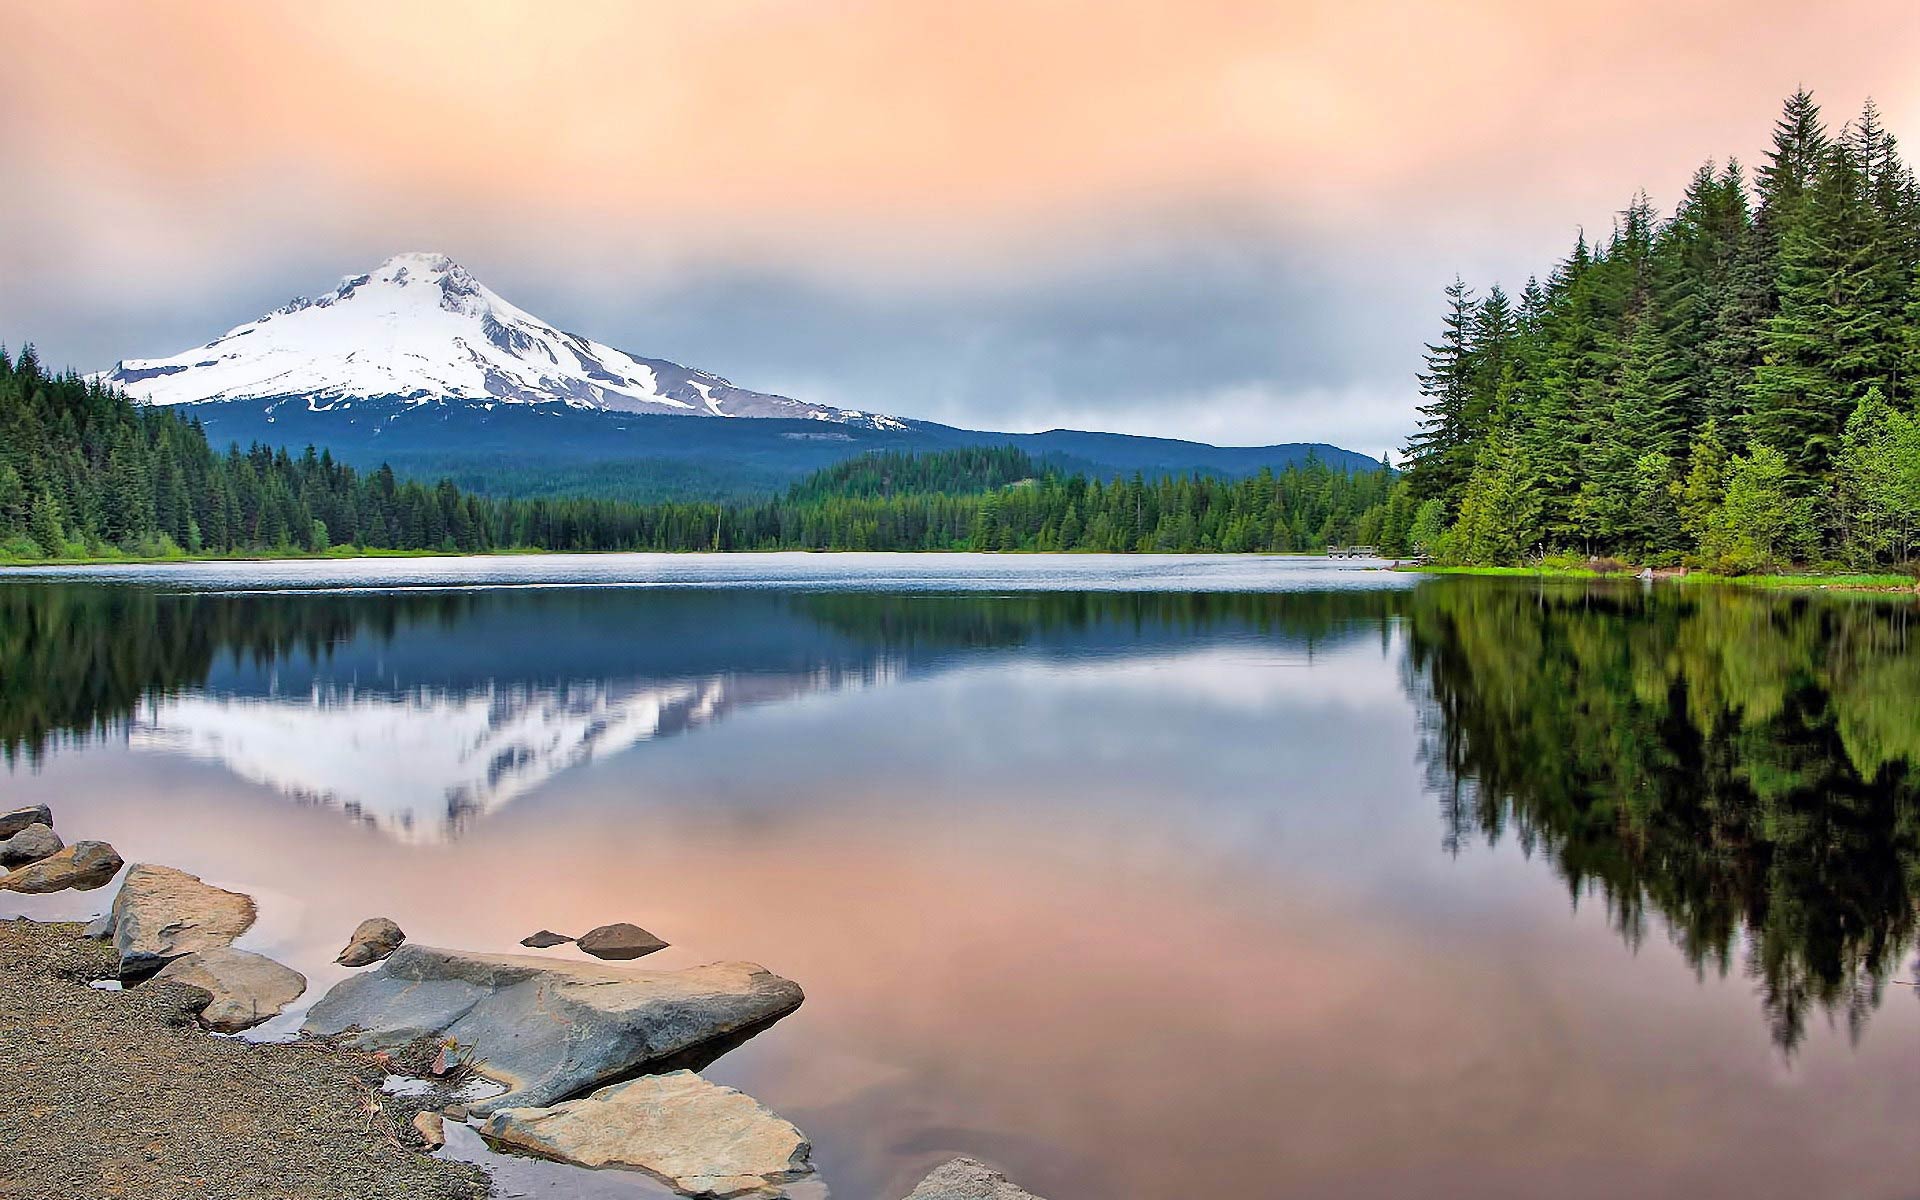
x,y
561,450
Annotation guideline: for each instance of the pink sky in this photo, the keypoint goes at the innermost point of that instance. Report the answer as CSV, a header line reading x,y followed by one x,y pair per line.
x,y
637,171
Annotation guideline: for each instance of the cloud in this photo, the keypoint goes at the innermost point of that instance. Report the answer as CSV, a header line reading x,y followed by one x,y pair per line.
x,y
1217,218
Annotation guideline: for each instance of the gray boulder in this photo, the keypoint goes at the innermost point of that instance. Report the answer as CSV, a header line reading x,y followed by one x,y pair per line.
x,y
82,867
544,939
545,1028
701,1138
373,939
30,845
246,988
966,1179
620,940
18,819
162,913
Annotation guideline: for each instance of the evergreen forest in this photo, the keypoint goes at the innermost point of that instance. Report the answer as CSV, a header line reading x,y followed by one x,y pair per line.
x,y
85,473
1731,386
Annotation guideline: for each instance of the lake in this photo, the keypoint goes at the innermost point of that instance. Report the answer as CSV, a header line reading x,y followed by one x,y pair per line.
x,y
1139,876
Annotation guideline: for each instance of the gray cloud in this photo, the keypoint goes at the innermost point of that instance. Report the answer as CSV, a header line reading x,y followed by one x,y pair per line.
x,y
1207,327
1228,338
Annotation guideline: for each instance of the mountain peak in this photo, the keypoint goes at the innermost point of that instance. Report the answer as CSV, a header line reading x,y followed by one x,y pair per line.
x,y
420,329
425,262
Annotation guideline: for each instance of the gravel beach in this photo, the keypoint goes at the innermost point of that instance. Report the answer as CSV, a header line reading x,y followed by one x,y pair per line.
x,y
120,1094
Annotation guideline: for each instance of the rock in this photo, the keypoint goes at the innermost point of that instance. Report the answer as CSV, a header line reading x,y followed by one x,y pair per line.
x,y
545,938
17,820
432,1129
247,988
100,929
546,1028
965,1179
162,913
82,866
455,1112
35,842
373,939
701,1138
620,941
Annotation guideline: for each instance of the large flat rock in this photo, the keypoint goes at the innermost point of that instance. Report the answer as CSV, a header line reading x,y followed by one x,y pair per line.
x,y
699,1137
548,1029
247,988
162,913
967,1179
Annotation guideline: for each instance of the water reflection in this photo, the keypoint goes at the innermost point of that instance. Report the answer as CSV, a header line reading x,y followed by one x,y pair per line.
x,y
1068,875
420,713
1741,765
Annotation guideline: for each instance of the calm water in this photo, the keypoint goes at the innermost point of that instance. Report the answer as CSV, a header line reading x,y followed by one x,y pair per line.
x,y
1142,877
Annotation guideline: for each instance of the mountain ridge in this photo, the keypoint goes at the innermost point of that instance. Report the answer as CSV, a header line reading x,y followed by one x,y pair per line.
x,y
419,365
421,329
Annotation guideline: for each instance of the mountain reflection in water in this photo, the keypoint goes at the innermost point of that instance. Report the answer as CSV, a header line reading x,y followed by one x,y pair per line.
x,y
1203,866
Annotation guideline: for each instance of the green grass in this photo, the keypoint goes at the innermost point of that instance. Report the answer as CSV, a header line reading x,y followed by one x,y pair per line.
x,y
1809,581
111,554
1848,582
1524,572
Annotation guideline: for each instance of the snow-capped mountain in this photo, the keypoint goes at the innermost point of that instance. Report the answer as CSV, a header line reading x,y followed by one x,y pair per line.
x,y
420,329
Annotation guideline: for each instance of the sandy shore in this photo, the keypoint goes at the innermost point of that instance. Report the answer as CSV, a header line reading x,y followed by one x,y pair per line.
x,y
120,1094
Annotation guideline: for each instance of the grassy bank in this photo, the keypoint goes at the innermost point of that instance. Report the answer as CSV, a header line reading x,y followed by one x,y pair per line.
x,y
1807,581
111,556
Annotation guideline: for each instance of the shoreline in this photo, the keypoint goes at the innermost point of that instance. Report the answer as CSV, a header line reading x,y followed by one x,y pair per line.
x,y
121,1093
1886,584
1866,582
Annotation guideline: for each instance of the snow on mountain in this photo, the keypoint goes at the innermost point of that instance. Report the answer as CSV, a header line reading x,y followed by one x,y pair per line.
x,y
421,329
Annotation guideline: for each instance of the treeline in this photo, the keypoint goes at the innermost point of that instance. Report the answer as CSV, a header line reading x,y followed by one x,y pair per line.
x,y
949,501
1733,386
84,473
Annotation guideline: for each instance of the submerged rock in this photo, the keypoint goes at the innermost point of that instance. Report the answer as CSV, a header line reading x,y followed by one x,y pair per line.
x,y
620,940
966,1179
373,939
247,988
544,939
545,1028
14,821
82,866
162,913
701,1138
30,845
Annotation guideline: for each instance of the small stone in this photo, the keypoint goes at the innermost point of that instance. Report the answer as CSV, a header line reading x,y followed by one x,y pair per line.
x,y
545,938
619,941
30,845
82,866
967,1179
455,1112
246,988
17,820
431,1128
373,940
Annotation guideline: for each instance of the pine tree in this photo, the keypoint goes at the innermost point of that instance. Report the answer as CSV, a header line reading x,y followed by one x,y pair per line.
x,y
1441,453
